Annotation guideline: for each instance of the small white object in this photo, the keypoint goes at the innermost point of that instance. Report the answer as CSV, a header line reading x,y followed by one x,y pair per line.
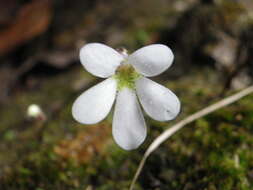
x,y
34,111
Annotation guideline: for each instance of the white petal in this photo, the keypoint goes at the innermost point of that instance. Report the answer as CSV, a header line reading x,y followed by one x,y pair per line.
x,y
158,102
152,60
94,104
128,128
99,59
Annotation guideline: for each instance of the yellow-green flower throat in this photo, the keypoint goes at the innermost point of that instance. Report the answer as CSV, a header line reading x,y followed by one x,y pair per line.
x,y
126,76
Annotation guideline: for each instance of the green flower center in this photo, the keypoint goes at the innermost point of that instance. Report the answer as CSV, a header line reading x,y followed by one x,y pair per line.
x,y
126,76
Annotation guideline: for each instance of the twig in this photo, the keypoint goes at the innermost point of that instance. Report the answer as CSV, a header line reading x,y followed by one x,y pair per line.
x,y
169,132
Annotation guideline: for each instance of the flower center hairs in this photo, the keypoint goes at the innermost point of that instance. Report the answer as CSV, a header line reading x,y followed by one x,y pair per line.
x,y
126,76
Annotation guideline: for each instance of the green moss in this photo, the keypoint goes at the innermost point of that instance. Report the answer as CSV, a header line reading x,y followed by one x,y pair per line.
x,y
213,153
126,76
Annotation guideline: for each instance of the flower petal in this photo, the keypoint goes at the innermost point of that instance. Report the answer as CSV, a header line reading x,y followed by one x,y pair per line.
x,y
158,102
94,104
99,59
152,60
128,128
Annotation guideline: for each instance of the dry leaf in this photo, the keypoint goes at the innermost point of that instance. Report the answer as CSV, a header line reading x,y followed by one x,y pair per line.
x,y
32,20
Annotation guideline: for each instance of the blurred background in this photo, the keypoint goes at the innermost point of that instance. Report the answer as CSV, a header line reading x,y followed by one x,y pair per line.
x,y
43,148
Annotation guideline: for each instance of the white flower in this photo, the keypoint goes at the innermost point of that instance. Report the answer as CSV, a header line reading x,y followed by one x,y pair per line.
x,y
126,80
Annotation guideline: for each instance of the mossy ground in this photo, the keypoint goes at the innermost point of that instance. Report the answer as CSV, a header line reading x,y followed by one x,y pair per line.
x,y
213,153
